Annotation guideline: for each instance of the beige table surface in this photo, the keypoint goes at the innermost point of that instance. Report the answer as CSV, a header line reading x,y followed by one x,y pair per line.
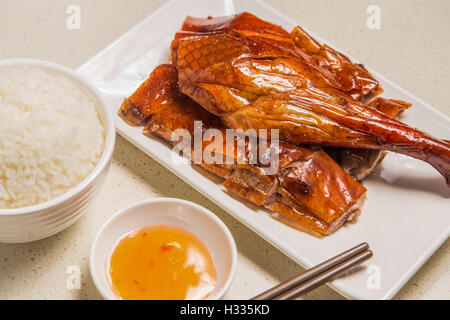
x,y
412,49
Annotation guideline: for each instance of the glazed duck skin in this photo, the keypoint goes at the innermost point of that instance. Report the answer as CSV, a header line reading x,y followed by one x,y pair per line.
x,y
254,86
150,97
359,163
354,79
310,189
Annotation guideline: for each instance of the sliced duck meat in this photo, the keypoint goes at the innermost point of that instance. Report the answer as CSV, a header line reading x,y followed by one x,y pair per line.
x,y
343,74
308,180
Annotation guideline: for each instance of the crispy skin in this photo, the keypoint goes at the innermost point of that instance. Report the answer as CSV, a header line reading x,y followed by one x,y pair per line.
x,y
181,114
359,163
354,79
307,177
310,189
391,107
150,97
361,85
351,78
172,117
157,105
251,84
316,183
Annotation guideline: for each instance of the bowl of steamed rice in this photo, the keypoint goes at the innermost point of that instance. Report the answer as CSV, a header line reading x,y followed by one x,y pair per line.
x,y
56,144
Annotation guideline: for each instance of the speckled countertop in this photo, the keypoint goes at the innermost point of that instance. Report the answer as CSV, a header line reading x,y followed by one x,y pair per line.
x,y
411,48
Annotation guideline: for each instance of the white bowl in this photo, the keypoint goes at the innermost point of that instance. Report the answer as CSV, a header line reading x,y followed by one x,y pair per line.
x,y
46,219
165,211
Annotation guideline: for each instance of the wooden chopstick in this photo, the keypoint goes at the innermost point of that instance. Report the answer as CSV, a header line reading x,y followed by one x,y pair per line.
x,y
318,275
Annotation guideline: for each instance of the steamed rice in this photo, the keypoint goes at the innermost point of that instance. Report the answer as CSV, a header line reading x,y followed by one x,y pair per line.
x,y
50,136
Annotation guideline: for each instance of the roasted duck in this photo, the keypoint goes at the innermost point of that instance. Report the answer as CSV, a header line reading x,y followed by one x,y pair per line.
x,y
241,72
361,162
255,75
309,189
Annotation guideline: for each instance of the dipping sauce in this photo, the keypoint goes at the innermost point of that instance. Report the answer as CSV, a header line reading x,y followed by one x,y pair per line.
x,y
161,263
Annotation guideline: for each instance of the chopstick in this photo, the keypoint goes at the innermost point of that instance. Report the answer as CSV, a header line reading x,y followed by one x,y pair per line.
x,y
318,275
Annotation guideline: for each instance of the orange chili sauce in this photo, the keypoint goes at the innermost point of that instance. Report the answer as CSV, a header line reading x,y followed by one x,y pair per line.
x,y
161,263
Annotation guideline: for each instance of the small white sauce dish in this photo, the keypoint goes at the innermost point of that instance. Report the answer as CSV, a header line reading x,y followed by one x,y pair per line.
x,y
46,219
165,211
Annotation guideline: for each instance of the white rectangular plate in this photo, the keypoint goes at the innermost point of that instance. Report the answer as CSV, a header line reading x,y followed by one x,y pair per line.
x,y
405,218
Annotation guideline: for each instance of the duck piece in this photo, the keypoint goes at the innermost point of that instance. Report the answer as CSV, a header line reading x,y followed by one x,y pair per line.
x,y
309,188
254,82
354,78
351,78
360,163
